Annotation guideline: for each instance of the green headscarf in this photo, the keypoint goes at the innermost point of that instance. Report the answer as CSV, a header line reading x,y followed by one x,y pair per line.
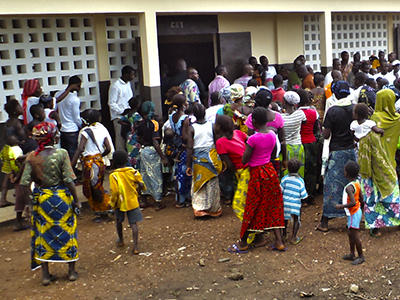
x,y
386,118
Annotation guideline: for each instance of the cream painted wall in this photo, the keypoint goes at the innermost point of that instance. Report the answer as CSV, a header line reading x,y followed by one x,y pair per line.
x,y
261,26
289,37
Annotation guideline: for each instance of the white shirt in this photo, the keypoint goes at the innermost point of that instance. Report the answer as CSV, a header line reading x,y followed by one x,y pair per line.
x,y
203,135
390,77
118,97
47,112
361,130
328,78
355,94
270,75
31,101
211,113
68,110
100,134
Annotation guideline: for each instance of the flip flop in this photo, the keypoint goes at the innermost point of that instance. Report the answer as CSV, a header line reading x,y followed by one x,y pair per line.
x,y
298,240
47,281
349,257
319,228
274,248
73,277
135,252
358,261
375,235
258,245
235,249
160,207
120,244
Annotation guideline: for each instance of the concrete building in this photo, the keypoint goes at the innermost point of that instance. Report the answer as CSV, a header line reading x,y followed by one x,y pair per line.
x,y
51,40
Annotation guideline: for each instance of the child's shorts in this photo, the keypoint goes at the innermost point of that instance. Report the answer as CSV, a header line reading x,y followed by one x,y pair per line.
x,y
134,215
353,221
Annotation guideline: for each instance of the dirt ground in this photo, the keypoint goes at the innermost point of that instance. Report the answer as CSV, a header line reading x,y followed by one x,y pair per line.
x,y
174,243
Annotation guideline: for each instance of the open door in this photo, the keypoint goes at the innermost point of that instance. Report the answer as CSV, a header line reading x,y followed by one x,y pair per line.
x,y
235,50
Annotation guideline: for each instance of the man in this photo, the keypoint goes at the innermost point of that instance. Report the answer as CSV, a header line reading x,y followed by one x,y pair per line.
x,y
270,72
365,67
118,97
356,69
335,66
337,75
219,82
68,109
384,73
345,65
294,79
359,82
392,57
396,68
248,72
253,61
308,79
189,86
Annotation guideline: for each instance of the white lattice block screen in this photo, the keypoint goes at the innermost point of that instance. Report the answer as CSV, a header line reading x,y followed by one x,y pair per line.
x,y
50,50
366,33
312,41
396,21
121,34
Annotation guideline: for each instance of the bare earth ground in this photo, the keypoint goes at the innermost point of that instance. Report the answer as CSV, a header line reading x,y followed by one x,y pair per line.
x,y
172,272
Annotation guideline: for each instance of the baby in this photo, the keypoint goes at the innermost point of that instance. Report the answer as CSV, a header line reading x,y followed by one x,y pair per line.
x,y
361,126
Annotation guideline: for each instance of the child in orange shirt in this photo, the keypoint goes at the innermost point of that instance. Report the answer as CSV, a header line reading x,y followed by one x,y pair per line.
x,y
353,203
125,185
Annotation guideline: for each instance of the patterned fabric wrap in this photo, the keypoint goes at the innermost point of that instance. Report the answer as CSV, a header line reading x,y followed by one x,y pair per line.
x,y
225,95
93,178
44,133
132,144
54,234
237,91
150,168
206,201
296,151
335,181
30,87
264,202
380,212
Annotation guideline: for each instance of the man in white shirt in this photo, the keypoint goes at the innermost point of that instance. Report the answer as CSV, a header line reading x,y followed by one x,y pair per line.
x,y
118,100
68,109
270,72
384,73
335,66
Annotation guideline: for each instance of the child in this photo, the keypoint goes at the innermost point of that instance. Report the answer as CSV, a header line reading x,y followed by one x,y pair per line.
x,y
51,115
125,185
37,112
352,204
9,155
294,191
361,126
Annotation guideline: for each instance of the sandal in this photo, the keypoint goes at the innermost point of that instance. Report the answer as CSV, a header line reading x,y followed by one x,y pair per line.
x,y
135,252
20,228
235,249
298,240
274,248
322,229
120,244
47,281
73,276
160,206
349,257
358,261
375,235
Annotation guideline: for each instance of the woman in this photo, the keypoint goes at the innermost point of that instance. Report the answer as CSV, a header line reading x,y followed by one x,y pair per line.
x,y
130,122
94,144
180,125
293,121
377,167
151,156
309,142
206,166
30,96
235,103
341,149
54,236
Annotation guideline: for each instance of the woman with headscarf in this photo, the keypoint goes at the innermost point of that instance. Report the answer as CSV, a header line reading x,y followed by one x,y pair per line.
x,y
151,155
54,204
248,102
203,165
293,118
94,145
376,157
235,102
339,141
30,96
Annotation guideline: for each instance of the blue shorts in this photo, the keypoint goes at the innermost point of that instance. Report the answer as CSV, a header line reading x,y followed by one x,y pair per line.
x,y
353,221
134,215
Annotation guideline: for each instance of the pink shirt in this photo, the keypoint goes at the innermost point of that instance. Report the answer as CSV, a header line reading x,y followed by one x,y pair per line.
x,y
277,123
263,144
216,85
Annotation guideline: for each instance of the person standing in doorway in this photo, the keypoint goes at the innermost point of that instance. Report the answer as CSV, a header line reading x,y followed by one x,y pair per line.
x,y
68,108
219,82
189,87
118,100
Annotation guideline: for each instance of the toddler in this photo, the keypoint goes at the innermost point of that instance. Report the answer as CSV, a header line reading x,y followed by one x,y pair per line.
x,y
361,126
51,115
352,204
125,185
294,191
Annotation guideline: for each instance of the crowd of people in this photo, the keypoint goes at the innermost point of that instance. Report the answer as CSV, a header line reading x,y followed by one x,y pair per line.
x,y
266,144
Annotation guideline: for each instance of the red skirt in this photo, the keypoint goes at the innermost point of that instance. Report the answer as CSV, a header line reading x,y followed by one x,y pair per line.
x,y
264,202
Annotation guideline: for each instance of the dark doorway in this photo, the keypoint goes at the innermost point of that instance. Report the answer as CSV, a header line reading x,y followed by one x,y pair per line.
x,y
197,50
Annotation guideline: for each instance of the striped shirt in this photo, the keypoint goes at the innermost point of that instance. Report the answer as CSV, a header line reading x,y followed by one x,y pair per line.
x,y
293,126
294,191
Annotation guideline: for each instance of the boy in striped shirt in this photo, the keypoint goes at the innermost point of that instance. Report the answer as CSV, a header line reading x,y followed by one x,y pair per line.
x,y
294,191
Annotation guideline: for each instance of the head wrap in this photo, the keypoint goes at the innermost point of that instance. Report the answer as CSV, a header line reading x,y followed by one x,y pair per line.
x,y
291,97
250,93
225,95
341,89
44,133
148,108
30,87
237,91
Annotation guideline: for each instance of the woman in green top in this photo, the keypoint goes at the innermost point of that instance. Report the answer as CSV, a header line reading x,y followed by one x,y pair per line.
x,y
54,235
